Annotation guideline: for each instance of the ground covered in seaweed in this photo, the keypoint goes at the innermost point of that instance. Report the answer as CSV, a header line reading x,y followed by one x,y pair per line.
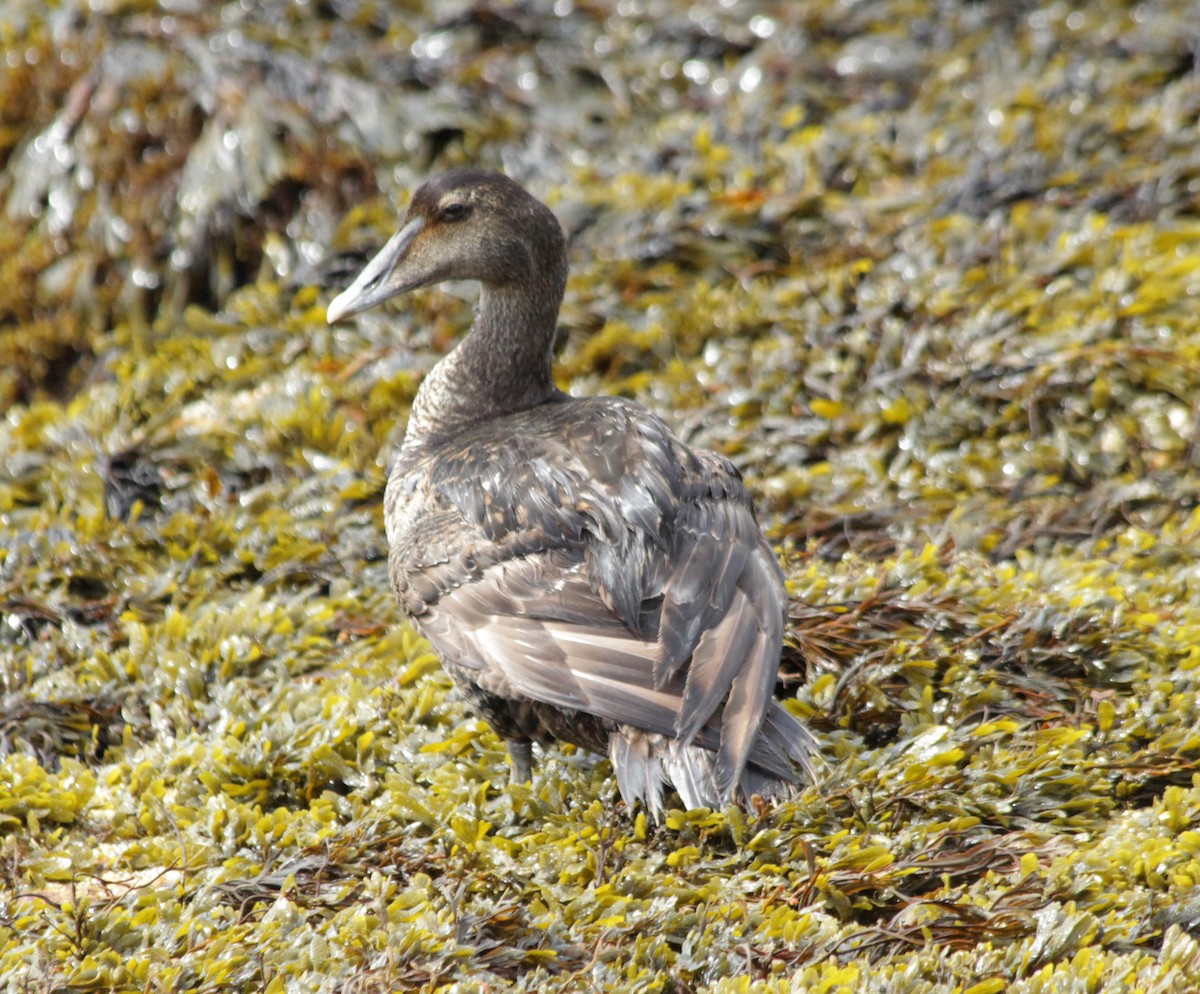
x,y
929,272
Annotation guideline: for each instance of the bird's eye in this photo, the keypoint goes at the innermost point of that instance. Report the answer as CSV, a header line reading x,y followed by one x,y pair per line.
x,y
454,211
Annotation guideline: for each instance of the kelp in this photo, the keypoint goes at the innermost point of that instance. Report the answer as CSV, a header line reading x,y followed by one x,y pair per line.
x,y
925,272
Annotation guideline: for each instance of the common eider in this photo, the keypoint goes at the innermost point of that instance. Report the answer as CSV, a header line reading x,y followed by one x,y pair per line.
x,y
583,574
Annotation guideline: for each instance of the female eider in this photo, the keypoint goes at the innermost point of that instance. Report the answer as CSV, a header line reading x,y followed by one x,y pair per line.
x,y
583,574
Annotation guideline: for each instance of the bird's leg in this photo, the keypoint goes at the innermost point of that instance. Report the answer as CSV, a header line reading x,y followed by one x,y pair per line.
x,y
520,752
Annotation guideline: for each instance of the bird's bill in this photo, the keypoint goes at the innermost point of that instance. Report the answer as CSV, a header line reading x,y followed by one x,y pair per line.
x,y
375,284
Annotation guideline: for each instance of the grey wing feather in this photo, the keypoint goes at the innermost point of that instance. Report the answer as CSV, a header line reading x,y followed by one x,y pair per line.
x,y
720,656
599,667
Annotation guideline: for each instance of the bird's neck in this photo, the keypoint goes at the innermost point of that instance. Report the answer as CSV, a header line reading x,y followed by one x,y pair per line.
x,y
502,366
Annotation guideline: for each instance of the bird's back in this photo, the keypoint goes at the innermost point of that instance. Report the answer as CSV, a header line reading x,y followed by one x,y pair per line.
x,y
587,577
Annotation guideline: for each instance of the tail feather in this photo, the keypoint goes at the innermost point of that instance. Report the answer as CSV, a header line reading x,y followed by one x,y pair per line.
x,y
784,743
692,772
784,754
635,758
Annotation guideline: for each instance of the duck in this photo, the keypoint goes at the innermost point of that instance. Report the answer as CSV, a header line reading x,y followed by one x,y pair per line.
x,y
584,575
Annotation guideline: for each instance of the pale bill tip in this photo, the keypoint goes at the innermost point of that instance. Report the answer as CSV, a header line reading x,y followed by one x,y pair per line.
x,y
339,307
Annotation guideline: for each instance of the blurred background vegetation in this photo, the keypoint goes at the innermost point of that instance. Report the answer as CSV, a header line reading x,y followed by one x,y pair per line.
x,y
928,271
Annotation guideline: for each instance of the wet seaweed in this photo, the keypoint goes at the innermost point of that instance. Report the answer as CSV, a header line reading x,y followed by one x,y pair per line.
x,y
925,272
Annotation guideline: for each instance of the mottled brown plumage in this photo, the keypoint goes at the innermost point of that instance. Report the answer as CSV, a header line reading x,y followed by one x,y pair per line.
x,y
583,574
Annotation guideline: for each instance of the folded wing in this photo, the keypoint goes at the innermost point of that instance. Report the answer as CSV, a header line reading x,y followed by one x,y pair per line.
x,y
619,595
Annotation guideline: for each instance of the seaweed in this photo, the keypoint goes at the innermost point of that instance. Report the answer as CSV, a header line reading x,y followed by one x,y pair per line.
x,y
925,272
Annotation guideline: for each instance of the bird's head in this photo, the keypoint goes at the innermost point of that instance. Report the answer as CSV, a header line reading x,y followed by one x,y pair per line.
x,y
466,224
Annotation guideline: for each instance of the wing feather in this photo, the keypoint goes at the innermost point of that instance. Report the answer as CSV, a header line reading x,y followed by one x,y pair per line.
x,y
720,657
603,670
622,577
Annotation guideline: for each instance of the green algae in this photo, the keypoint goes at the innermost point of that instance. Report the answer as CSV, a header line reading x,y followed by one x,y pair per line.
x,y
926,273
